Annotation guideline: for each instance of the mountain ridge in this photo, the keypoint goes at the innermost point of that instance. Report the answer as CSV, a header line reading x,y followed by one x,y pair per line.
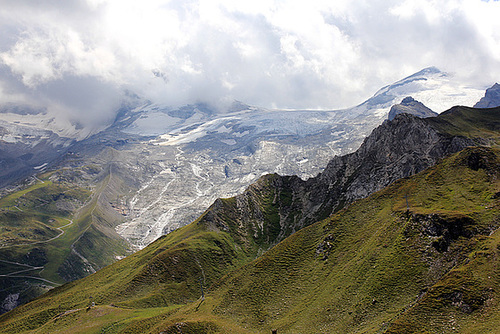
x,y
146,186
235,231
375,165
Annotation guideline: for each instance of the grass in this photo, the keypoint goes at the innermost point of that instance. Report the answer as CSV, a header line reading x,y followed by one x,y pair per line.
x,y
9,200
471,123
372,267
41,219
376,264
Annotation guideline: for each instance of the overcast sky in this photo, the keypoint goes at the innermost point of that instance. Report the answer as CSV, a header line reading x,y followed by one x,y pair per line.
x,y
80,56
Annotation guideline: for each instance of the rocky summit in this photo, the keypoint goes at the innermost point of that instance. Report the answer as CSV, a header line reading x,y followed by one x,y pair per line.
x,y
491,98
409,106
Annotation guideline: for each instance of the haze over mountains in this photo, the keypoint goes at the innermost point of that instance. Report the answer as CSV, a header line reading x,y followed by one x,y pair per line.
x,y
156,168
197,153
408,258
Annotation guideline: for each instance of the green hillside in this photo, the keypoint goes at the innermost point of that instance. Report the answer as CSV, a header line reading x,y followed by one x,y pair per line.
x,y
377,266
48,228
418,256
470,122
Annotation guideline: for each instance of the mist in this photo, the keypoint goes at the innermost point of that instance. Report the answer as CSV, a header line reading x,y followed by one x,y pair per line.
x,y
77,59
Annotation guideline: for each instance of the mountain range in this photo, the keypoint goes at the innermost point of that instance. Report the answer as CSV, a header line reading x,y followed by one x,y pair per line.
x,y
155,169
418,255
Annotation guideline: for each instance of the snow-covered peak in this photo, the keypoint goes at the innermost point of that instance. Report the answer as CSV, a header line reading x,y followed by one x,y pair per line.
x,y
436,89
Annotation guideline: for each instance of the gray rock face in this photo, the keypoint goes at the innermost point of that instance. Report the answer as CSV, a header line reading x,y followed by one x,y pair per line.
x,y
491,98
410,106
9,303
395,149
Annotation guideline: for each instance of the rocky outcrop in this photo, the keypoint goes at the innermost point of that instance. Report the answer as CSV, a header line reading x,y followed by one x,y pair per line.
x,y
396,149
491,98
410,106
277,206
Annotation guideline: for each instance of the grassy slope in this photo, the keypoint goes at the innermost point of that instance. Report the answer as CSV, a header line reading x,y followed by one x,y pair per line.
x,y
39,228
378,236
372,267
362,268
164,274
96,241
168,272
470,122
29,213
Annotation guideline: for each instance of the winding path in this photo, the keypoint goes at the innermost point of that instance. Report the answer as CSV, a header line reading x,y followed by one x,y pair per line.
x,y
42,241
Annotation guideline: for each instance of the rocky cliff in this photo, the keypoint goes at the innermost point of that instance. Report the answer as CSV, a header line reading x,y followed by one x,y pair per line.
x,y
410,106
491,98
277,206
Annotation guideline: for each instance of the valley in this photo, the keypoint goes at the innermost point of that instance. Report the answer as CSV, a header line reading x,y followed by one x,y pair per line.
x,y
156,169
418,255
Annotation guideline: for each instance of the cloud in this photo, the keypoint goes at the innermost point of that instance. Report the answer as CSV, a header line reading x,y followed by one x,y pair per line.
x,y
82,55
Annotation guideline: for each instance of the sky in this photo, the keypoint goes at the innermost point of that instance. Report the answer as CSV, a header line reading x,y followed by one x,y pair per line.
x,y
85,58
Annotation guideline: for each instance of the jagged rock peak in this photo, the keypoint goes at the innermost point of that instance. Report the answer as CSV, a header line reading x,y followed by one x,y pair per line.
x,y
491,98
276,206
407,100
411,106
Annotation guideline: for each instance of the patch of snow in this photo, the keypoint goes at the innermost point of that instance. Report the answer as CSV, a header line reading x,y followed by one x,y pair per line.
x,y
223,129
41,166
337,133
229,141
241,134
152,124
383,112
196,170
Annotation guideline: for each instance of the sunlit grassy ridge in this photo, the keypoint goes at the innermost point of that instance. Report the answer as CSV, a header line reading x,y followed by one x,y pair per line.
x,y
420,255
372,267
470,122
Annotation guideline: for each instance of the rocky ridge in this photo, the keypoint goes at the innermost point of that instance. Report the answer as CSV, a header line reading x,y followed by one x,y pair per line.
x,y
277,206
410,106
491,98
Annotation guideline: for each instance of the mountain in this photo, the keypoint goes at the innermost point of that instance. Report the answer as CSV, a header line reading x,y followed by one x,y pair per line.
x,y
202,153
409,106
491,98
436,89
25,150
156,168
191,155
420,249
33,140
394,150
378,267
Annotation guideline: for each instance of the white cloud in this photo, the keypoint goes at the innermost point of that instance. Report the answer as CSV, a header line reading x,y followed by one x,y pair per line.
x,y
290,54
